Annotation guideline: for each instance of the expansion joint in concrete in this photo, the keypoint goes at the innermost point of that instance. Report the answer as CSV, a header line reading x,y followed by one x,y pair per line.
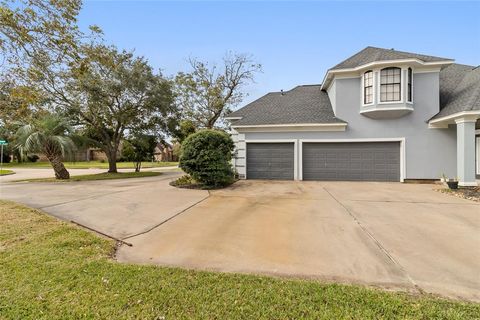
x,y
377,243
167,220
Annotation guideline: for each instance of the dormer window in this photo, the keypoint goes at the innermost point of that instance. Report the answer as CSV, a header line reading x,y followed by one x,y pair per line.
x,y
368,87
409,85
390,84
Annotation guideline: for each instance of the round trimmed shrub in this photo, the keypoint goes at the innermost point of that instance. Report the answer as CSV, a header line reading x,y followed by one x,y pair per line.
x,y
206,156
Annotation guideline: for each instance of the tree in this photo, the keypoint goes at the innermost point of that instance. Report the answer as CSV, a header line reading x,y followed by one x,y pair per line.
x,y
18,104
38,36
50,135
112,92
32,29
138,148
39,42
207,93
206,156
182,129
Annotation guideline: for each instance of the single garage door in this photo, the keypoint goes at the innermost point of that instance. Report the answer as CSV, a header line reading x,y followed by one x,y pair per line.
x,y
361,161
270,161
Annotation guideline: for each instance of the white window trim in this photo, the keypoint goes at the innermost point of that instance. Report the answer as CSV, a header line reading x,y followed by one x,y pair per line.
x,y
326,79
403,166
295,152
406,87
402,86
363,88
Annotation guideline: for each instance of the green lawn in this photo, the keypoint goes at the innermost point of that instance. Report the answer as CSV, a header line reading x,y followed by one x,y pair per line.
x,y
89,164
5,172
54,270
98,176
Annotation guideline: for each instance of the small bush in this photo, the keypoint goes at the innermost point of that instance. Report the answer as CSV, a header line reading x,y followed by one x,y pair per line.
x,y
186,181
206,157
6,158
33,158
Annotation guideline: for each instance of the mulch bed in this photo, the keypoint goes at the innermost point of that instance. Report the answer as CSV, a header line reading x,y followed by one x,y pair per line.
x,y
188,186
465,193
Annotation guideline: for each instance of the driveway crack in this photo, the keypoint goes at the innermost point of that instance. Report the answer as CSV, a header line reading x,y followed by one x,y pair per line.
x,y
377,243
81,199
166,220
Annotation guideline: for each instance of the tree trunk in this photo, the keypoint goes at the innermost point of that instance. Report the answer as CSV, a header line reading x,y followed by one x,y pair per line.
x,y
59,168
112,162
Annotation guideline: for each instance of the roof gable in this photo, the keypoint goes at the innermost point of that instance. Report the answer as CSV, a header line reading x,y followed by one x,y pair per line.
x,y
373,54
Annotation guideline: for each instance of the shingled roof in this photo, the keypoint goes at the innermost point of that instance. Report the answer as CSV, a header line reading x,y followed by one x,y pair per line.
x,y
308,104
301,105
373,54
459,89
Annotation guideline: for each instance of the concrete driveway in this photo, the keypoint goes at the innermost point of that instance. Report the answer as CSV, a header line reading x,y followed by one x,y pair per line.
x,y
399,236
118,208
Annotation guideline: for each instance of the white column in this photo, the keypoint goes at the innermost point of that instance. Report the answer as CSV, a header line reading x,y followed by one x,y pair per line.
x,y
466,151
239,161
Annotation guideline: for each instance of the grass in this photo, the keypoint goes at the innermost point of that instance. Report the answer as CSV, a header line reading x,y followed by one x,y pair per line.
x,y
98,176
54,270
89,164
5,172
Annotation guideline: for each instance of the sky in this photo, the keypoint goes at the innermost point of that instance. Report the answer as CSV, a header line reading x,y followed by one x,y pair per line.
x,y
296,42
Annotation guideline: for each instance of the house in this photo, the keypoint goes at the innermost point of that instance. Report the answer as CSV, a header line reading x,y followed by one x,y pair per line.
x,y
85,154
380,115
164,152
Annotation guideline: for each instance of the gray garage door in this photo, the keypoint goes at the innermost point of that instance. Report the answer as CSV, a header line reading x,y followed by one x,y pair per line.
x,y
369,161
270,161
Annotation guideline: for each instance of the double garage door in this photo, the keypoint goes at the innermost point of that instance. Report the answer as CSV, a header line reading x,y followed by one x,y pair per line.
x,y
350,161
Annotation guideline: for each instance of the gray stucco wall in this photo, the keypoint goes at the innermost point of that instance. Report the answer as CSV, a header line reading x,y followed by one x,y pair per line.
x,y
332,93
429,152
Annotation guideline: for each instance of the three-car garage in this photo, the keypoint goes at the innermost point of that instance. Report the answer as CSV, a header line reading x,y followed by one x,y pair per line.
x,y
329,161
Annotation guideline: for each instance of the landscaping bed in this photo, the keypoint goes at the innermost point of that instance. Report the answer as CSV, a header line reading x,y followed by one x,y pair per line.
x,y
54,270
187,182
4,172
465,193
98,176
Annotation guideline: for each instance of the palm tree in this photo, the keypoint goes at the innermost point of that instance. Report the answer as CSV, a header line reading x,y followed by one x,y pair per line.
x,y
50,135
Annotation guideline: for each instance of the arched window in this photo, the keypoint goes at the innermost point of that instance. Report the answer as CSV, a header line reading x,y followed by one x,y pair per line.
x,y
368,87
409,86
390,84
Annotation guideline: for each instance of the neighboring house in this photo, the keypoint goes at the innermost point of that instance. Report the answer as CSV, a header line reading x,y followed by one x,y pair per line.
x,y
380,115
89,154
164,152
84,154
